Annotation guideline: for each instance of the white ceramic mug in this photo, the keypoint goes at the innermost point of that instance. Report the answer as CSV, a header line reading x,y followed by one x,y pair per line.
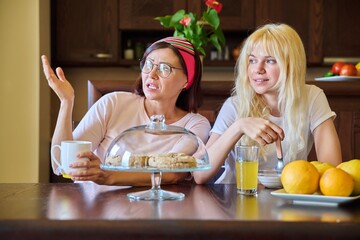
x,y
68,154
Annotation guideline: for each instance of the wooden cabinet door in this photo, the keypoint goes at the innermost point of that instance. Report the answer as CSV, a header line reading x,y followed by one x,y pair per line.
x,y
341,28
236,15
356,135
85,31
140,14
304,16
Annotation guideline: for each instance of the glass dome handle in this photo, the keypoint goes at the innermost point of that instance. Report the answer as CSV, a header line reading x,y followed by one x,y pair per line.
x,y
157,122
157,119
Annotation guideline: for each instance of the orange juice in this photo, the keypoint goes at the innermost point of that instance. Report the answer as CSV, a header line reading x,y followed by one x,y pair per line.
x,y
247,163
246,176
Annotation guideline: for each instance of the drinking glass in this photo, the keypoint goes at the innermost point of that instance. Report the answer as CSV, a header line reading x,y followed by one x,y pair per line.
x,y
247,165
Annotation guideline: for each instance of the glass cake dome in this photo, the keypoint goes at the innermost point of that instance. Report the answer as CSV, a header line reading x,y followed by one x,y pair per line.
x,y
156,148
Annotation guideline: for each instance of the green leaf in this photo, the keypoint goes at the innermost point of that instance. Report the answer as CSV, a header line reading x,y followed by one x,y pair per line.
x,y
199,32
177,17
212,18
179,27
220,35
188,32
178,33
198,29
202,51
214,40
164,21
193,17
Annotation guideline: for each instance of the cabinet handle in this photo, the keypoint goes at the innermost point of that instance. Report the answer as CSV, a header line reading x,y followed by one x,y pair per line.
x,y
102,55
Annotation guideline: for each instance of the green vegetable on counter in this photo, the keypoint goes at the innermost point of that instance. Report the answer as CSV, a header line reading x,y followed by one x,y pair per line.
x,y
329,74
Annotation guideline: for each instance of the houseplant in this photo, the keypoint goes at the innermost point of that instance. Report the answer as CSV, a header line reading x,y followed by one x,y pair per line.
x,y
199,31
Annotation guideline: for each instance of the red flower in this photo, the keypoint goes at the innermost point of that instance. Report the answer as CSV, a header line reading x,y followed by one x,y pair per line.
x,y
185,21
217,6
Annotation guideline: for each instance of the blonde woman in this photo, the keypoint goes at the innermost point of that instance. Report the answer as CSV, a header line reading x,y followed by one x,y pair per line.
x,y
271,101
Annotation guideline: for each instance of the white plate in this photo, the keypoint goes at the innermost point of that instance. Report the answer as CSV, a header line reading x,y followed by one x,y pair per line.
x,y
313,199
337,78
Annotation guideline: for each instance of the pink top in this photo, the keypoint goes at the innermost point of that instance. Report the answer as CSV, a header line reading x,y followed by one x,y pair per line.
x,y
118,111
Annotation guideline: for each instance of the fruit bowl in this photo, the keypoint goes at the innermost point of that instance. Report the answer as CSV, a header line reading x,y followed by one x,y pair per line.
x,y
270,178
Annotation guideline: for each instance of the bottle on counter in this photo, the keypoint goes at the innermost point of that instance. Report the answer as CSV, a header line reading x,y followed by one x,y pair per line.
x,y
128,52
226,54
219,55
139,50
213,54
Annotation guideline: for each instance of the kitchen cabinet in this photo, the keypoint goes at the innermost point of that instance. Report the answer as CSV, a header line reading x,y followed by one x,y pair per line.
x,y
237,21
344,100
136,18
137,25
139,14
235,15
304,16
341,29
327,28
96,32
84,32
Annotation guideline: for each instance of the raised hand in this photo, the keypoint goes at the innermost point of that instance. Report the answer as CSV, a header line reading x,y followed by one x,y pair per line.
x,y
57,82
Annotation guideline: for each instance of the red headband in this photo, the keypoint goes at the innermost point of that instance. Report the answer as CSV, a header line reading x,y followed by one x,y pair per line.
x,y
188,54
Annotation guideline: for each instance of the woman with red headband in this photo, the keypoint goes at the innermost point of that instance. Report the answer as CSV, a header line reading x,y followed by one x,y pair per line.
x,y
169,84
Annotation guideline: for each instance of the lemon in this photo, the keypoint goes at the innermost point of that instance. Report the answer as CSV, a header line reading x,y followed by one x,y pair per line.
x,y
336,182
300,177
358,68
352,167
321,166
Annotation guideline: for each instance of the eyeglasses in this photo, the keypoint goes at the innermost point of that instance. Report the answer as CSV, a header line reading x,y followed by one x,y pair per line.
x,y
163,69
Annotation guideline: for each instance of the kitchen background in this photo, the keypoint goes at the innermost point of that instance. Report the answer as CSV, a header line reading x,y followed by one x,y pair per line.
x,y
74,33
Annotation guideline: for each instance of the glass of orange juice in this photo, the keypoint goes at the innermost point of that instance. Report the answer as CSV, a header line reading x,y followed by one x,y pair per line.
x,y
247,165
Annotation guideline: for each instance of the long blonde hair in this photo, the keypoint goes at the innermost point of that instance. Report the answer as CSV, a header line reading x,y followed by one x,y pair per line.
x,y
284,44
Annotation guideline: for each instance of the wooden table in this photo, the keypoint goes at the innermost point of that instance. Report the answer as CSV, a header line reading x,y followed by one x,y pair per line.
x,y
88,211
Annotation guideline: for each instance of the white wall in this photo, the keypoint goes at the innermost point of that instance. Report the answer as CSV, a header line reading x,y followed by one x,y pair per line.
x,y
24,121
